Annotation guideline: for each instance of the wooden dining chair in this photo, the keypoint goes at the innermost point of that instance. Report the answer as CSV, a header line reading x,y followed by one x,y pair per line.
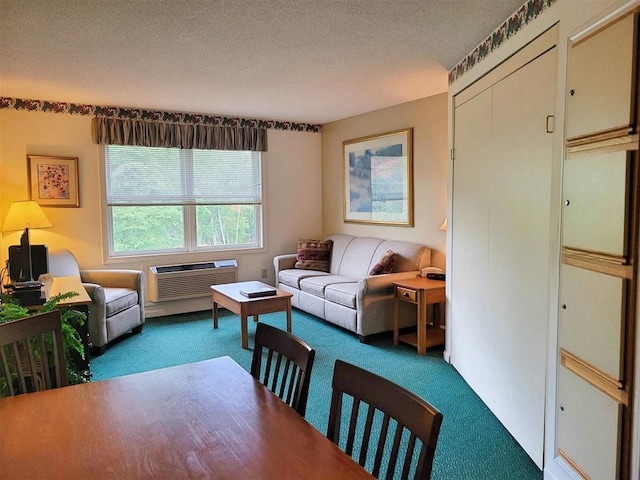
x,y
31,354
407,452
282,362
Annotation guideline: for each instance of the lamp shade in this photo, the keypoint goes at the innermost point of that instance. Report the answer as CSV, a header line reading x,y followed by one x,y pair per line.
x,y
443,227
25,214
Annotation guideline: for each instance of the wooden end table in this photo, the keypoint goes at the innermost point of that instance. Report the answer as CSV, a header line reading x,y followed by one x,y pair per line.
x,y
421,292
228,296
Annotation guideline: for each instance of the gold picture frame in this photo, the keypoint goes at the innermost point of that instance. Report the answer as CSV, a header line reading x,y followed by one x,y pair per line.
x,y
378,179
53,181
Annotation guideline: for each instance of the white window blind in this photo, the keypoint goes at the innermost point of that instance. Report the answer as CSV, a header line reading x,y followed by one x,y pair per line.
x,y
171,176
169,200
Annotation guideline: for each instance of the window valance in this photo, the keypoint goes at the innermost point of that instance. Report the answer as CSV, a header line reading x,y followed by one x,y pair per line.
x,y
153,133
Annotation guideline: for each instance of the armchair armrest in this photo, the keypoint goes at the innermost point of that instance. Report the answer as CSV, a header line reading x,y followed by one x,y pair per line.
x,y
96,292
133,279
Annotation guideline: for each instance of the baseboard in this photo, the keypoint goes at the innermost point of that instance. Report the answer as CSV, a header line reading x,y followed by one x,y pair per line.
x,y
558,470
162,309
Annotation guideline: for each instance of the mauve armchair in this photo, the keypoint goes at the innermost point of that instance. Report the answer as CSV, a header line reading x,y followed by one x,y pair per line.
x,y
117,298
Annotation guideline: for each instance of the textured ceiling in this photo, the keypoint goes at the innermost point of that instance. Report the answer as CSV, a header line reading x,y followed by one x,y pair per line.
x,y
298,60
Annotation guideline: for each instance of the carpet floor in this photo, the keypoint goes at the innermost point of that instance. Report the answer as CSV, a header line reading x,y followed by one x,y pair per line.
x,y
473,444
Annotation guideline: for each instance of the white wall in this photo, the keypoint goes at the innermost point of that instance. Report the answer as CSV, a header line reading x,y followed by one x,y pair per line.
x,y
292,185
427,116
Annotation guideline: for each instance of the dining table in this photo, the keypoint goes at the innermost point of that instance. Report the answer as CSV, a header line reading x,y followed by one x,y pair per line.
x,y
204,420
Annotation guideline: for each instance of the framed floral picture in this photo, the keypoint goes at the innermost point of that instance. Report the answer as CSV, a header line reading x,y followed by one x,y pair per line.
x,y
378,179
53,181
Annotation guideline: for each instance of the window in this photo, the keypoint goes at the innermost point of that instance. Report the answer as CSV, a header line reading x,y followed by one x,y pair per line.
x,y
163,200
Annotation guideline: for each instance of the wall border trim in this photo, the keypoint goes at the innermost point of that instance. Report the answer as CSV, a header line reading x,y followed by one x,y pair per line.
x,y
151,115
523,16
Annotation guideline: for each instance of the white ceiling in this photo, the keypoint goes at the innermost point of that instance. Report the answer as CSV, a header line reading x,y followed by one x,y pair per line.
x,y
295,60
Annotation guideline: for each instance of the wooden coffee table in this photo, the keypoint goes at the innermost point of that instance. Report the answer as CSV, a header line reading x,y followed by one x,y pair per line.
x,y
228,296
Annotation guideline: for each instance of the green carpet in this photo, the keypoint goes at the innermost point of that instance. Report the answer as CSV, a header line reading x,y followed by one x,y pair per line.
x,y
472,445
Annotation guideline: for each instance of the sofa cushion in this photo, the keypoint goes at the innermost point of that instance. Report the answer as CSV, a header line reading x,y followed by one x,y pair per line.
x,y
342,293
119,299
292,276
313,255
385,264
316,285
340,244
411,256
359,256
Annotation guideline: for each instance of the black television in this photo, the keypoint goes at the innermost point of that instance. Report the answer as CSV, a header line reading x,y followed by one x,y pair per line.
x,y
18,264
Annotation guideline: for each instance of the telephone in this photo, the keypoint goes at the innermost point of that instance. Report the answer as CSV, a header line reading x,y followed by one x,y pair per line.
x,y
433,273
427,270
436,276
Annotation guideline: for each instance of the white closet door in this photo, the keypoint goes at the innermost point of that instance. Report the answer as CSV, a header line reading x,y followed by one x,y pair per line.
x,y
591,316
599,79
587,427
595,198
470,260
500,246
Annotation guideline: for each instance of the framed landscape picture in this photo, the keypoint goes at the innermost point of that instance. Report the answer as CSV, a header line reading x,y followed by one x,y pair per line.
x,y
53,181
378,179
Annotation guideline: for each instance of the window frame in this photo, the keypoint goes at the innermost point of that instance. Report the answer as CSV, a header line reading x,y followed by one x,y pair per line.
x,y
190,233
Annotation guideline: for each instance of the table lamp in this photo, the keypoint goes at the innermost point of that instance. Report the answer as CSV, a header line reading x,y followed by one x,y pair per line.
x,y
25,214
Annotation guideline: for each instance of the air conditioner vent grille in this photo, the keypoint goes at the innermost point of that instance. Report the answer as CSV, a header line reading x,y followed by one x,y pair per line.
x,y
177,282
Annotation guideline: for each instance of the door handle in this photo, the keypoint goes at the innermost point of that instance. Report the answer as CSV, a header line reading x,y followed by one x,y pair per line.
x,y
550,123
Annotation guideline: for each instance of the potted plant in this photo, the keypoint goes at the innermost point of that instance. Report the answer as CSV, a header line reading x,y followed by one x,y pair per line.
x,y
72,342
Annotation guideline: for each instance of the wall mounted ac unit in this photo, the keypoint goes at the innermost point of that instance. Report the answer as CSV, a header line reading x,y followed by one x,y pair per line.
x,y
189,280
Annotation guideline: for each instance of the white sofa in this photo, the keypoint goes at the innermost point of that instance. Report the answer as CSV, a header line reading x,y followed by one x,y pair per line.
x,y
347,295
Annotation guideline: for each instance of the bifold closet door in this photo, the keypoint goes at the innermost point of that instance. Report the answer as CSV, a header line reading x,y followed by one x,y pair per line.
x,y
502,176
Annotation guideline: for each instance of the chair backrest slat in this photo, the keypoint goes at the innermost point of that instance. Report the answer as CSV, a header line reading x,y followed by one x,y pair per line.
x,y
284,378
44,359
367,434
414,422
295,379
276,372
32,354
287,370
407,460
289,381
6,372
19,365
393,457
382,440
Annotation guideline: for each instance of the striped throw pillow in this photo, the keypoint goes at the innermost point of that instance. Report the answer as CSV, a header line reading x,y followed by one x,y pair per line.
x,y
314,254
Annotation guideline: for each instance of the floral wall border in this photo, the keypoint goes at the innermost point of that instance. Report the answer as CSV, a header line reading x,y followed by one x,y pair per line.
x,y
500,35
152,115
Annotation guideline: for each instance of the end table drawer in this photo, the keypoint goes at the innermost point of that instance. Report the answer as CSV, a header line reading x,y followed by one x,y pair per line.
x,y
406,294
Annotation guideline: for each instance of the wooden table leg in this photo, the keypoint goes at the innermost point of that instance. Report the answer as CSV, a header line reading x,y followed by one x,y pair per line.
x,y
396,321
422,323
289,315
215,314
244,331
